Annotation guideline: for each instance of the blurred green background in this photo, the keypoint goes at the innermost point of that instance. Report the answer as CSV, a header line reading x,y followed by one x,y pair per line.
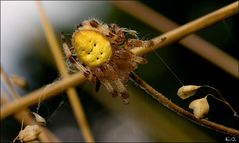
x,y
24,51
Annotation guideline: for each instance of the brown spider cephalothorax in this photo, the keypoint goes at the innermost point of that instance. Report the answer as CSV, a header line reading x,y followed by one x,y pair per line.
x,y
102,53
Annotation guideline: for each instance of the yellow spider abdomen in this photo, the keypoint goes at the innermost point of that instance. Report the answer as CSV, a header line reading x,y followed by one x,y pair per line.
x,y
92,48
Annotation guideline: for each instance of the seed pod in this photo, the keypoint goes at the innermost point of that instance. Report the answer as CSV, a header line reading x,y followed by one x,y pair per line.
x,y
187,91
39,119
29,133
200,107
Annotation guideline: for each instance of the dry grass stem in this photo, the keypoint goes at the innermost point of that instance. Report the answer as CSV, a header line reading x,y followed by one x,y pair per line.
x,y
172,106
192,42
172,36
71,92
46,92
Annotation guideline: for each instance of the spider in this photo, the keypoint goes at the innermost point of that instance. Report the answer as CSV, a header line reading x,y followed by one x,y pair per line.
x,y
102,53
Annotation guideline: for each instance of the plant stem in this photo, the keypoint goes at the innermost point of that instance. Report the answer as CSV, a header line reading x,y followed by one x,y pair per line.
x,y
180,111
48,91
192,42
71,92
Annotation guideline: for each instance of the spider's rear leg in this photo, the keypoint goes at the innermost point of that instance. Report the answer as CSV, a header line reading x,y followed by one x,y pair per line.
x,y
115,81
122,91
100,74
71,57
109,87
98,83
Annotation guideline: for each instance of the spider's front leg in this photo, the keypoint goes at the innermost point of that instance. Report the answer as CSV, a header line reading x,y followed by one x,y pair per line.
x,y
71,57
136,43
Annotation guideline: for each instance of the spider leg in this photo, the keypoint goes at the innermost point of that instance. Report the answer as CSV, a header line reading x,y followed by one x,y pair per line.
x,y
116,83
71,58
135,43
109,87
98,83
100,74
139,59
122,90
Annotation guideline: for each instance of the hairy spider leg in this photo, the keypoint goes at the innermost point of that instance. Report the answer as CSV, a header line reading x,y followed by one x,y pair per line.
x,y
121,90
70,57
119,86
106,82
99,72
139,59
136,43
109,87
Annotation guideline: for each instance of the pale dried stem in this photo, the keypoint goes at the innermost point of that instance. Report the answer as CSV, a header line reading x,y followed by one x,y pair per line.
x,y
76,79
192,42
47,92
71,92
24,114
174,107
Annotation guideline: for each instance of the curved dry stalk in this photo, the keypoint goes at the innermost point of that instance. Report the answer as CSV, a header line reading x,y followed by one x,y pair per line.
x,y
192,42
71,92
180,111
75,79
24,114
